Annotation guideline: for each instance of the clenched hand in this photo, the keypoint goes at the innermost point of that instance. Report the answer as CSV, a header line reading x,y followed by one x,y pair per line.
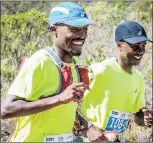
x,y
148,119
74,93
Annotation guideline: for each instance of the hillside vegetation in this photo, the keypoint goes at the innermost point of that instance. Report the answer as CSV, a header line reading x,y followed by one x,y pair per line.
x,y
24,30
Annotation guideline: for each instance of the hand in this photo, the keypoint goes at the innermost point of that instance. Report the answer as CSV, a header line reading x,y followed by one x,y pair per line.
x,y
74,92
148,119
80,130
96,134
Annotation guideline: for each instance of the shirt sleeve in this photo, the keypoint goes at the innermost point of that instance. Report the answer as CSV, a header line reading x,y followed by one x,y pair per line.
x,y
140,101
31,78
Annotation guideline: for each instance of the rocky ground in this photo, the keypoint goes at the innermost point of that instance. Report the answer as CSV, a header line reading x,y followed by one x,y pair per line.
x,y
7,128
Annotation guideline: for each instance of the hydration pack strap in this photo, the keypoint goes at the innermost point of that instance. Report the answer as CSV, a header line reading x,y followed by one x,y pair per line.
x,y
59,63
54,57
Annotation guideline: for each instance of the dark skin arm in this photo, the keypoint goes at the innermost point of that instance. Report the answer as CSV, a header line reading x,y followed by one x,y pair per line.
x,y
143,117
13,106
139,118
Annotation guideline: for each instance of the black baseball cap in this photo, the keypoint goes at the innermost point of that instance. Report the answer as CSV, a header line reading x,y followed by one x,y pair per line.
x,y
131,32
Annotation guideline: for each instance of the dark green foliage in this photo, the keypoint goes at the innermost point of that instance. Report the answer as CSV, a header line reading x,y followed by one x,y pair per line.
x,y
21,35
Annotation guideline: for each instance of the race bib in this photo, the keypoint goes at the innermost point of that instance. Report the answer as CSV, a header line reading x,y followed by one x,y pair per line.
x,y
117,121
59,138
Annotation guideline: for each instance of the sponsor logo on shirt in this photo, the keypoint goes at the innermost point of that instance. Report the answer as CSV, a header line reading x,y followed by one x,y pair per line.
x,y
114,113
60,139
49,139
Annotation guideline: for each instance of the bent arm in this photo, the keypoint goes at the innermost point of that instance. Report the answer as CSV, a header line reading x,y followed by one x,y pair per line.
x,y
32,77
139,118
13,106
144,117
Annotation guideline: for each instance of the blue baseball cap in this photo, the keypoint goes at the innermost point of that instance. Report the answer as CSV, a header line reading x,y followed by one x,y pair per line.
x,y
70,14
131,32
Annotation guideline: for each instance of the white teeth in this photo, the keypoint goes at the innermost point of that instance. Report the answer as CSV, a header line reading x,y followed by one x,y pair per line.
x,y
137,57
77,42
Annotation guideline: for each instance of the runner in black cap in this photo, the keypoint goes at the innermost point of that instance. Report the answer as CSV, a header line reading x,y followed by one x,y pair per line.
x,y
117,90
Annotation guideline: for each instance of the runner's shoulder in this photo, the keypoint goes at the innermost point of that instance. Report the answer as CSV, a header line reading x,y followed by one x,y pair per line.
x,y
40,57
100,67
138,74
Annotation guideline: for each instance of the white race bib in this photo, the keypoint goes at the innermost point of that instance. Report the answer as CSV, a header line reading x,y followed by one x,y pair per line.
x,y
118,121
59,138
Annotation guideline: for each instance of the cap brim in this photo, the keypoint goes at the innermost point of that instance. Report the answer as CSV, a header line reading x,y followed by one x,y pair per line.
x,y
79,22
135,40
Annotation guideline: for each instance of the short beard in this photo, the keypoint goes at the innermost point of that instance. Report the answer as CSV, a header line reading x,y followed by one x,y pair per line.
x,y
75,53
130,61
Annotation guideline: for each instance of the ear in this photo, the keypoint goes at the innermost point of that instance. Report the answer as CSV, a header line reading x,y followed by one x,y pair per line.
x,y
53,29
119,46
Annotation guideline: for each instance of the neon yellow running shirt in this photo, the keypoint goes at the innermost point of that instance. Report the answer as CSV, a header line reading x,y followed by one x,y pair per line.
x,y
113,96
38,77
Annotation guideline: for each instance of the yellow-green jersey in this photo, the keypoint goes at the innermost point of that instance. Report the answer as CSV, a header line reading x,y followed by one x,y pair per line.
x,y
40,77
114,94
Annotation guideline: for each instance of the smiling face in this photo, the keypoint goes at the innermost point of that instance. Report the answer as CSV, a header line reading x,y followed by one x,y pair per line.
x,y
70,39
131,53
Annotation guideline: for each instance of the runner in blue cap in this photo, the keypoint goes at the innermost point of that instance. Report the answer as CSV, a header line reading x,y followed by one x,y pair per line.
x,y
69,14
44,95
